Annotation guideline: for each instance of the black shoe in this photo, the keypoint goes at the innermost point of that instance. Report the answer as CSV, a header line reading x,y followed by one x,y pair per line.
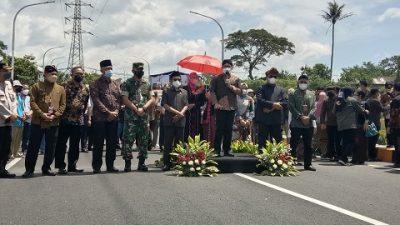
x,y
166,168
128,165
143,168
342,163
218,155
48,173
112,170
396,165
229,154
310,168
6,174
62,172
75,170
27,174
96,171
84,150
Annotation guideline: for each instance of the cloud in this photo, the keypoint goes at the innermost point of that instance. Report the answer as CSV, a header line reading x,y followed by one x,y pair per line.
x,y
389,14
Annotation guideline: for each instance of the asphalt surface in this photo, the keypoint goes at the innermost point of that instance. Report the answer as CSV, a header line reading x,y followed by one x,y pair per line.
x,y
161,198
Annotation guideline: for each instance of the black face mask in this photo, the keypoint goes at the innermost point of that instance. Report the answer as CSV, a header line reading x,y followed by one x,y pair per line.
x,y
139,74
78,78
18,89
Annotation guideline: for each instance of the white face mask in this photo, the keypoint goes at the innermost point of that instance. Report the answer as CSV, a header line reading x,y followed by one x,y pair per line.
x,y
176,84
272,80
227,70
303,86
25,92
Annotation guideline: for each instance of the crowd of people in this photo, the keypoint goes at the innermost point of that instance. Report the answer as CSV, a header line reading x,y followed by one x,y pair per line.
x,y
336,122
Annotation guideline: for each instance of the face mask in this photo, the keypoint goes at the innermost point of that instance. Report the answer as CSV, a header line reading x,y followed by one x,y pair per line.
x,y
139,74
303,86
227,70
272,80
176,84
108,73
52,79
18,89
25,92
78,78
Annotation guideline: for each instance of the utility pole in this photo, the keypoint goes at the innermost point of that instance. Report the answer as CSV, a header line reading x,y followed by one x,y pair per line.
x,y
76,51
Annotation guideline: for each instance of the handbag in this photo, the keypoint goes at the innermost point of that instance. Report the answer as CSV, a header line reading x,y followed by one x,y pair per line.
x,y
371,130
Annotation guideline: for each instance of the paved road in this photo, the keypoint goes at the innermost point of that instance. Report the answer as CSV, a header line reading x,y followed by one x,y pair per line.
x,y
370,193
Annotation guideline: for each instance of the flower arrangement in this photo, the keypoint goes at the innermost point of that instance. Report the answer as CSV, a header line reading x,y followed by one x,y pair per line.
x,y
240,146
194,159
276,160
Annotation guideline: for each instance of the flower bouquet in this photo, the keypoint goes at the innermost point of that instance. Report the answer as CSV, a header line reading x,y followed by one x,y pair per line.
x,y
240,146
276,160
194,159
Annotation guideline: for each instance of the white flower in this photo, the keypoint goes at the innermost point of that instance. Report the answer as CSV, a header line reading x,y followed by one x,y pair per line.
x,y
272,161
280,162
190,163
289,163
198,168
184,163
192,169
180,173
203,162
275,166
196,162
284,166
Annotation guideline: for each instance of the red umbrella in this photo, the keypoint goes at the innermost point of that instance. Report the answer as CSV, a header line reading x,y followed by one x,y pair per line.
x,y
202,64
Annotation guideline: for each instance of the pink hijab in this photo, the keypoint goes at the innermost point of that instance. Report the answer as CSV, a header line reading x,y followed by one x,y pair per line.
x,y
192,81
321,99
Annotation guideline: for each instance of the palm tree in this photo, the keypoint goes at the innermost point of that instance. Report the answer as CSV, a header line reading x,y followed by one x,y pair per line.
x,y
334,14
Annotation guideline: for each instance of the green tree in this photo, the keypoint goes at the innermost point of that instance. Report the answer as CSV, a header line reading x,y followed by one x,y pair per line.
x,y
256,46
319,70
90,77
391,67
2,48
332,15
26,70
367,72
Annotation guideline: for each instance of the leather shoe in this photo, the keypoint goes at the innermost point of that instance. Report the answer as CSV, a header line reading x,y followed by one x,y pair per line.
x,y
96,171
112,170
310,168
62,172
27,174
143,168
75,170
229,154
6,174
48,173
166,168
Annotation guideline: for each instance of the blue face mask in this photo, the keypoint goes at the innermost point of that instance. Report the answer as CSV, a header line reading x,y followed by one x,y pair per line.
x,y
108,73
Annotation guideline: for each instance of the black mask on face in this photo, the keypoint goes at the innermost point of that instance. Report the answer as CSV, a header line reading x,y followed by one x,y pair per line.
x,y
18,89
78,78
139,74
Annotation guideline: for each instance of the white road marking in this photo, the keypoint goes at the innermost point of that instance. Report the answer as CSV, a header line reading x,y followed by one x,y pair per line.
x,y
313,200
12,163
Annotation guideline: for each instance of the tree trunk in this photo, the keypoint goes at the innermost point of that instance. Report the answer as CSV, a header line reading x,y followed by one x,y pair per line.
x,y
251,72
333,45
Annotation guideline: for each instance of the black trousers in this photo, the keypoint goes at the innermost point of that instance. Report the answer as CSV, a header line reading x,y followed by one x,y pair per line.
x,y
172,137
224,122
268,132
35,140
104,131
372,141
5,143
391,138
396,138
333,142
71,132
307,134
25,136
348,143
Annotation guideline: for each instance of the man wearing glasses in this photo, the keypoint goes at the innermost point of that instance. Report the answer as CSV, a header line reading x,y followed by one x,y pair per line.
x,y
269,111
175,102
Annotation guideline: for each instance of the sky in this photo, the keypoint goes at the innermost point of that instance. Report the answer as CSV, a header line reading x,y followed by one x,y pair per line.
x,y
163,31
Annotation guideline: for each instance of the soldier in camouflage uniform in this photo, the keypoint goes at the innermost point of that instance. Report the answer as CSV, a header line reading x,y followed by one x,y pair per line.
x,y
137,99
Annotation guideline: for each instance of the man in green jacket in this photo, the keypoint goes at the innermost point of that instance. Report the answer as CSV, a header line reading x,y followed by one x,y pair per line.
x,y
302,107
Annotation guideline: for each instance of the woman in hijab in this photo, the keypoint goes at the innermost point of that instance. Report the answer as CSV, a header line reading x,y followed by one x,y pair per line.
x,y
196,97
321,139
347,110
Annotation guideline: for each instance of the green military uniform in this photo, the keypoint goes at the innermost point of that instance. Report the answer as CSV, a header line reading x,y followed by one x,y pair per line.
x,y
136,127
